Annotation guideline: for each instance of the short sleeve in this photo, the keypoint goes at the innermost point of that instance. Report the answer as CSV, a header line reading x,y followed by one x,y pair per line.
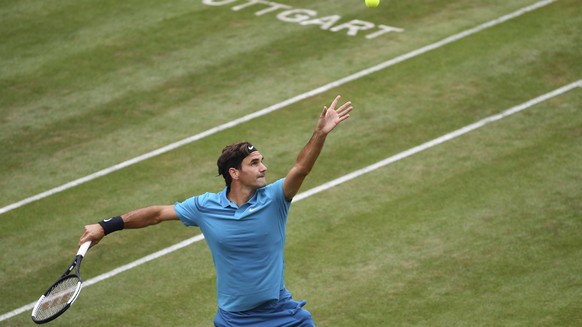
x,y
276,190
188,211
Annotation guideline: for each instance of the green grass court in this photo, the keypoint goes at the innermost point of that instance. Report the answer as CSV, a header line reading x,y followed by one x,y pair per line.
x,y
481,230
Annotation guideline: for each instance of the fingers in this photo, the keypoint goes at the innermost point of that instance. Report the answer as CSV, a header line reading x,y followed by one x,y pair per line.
x,y
346,107
343,112
85,238
334,102
92,233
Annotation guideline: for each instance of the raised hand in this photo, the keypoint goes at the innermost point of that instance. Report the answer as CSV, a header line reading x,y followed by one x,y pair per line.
x,y
331,117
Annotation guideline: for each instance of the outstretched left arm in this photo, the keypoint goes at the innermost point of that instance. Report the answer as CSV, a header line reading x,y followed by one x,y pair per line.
x,y
328,120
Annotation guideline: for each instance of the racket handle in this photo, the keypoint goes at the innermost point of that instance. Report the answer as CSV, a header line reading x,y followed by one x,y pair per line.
x,y
83,249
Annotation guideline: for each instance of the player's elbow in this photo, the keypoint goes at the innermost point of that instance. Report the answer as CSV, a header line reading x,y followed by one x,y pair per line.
x,y
301,170
163,213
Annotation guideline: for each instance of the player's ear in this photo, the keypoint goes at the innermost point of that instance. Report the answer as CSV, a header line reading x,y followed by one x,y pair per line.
x,y
233,173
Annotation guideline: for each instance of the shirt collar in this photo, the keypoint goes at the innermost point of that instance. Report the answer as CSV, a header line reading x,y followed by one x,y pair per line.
x,y
225,202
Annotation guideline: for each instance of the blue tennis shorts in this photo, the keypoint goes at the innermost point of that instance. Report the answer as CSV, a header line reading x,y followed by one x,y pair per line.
x,y
284,312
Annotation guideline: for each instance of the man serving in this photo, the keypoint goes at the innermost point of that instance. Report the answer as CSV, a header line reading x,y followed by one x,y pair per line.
x,y
244,226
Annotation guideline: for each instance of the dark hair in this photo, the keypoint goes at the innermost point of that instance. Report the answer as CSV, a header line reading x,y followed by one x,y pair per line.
x,y
232,157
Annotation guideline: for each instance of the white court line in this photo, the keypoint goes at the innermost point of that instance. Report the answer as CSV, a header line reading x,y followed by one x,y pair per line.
x,y
328,185
438,140
277,106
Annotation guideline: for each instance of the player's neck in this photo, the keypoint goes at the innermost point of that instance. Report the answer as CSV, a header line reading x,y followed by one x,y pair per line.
x,y
239,194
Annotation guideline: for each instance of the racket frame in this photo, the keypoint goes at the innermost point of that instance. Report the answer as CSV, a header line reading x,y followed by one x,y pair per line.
x,y
76,264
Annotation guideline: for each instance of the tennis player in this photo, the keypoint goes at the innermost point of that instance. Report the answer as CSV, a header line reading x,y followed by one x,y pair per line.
x,y
244,225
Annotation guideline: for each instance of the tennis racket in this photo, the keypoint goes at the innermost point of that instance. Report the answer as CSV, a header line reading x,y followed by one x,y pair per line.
x,y
61,295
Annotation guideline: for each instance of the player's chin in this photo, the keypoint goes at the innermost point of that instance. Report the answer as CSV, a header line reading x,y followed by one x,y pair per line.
x,y
261,182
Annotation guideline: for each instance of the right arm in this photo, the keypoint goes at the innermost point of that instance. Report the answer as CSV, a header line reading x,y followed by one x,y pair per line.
x,y
139,218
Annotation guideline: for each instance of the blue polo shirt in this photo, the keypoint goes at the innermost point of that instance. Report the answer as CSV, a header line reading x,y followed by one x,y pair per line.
x,y
246,242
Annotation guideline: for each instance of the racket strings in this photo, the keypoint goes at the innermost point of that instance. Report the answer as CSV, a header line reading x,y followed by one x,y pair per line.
x,y
58,298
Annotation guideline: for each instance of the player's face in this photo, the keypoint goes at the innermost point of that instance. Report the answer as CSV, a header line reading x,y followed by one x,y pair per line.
x,y
253,170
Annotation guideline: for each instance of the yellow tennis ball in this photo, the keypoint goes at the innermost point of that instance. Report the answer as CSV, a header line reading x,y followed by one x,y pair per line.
x,y
372,3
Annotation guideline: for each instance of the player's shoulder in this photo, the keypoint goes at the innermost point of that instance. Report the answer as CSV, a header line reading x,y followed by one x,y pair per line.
x,y
206,199
278,184
273,190
211,198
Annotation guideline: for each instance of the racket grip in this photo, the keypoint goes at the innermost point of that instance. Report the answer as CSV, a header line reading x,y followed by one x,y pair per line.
x,y
83,249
